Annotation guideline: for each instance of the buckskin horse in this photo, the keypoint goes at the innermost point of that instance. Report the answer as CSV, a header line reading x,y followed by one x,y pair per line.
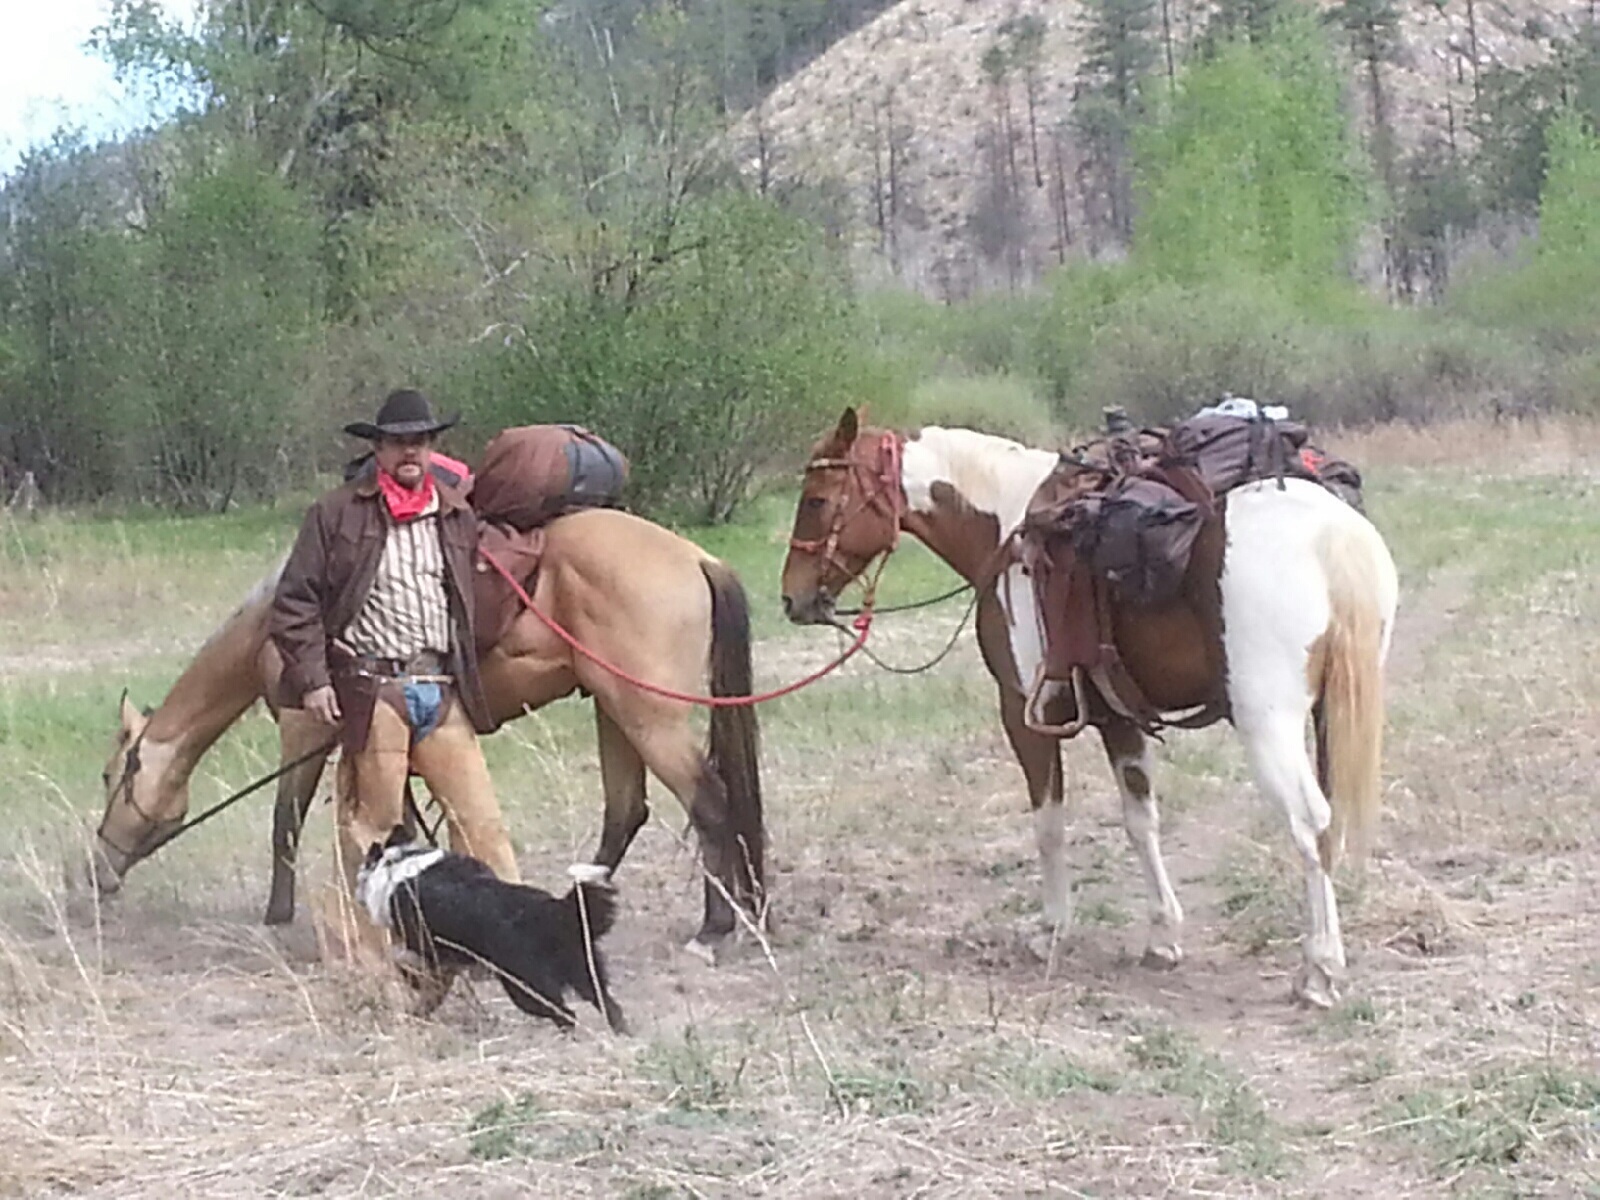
x,y
638,596
1304,592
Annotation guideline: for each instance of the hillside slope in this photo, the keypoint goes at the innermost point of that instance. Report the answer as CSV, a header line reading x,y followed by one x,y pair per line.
x,y
901,115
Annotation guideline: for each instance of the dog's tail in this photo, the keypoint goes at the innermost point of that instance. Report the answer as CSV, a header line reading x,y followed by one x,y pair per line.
x,y
592,902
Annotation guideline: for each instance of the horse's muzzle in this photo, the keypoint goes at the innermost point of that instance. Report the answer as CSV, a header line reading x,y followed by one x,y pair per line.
x,y
106,867
813,609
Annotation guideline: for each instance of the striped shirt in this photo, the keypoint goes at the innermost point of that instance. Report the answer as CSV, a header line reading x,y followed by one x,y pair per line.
x,y
406,610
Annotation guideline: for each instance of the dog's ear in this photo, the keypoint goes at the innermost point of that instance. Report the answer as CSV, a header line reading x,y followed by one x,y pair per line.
x,y
397,837
374,853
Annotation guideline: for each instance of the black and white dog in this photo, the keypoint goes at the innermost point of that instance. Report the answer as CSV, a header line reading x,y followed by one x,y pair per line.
x,y
451,911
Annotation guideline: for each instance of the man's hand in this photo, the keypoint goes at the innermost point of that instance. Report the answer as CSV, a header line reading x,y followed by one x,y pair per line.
x,y
322,704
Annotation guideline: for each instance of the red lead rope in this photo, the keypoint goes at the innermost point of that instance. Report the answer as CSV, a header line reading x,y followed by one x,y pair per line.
x,y
862,625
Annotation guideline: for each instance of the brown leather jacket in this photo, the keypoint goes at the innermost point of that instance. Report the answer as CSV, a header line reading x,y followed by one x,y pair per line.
x,y
331,568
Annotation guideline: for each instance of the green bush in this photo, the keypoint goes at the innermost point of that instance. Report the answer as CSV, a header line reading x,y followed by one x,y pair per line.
x,y
1162,352
1008,405
1079,302
1576,385
1409,366
1552,295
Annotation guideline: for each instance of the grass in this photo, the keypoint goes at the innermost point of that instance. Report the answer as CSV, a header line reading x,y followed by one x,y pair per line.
x,y
500,1130
1226,1107
692,1076
1258,901
897,1034
1506,1115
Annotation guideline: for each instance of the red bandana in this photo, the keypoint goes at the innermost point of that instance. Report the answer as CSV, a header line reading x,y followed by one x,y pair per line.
x,y
405,503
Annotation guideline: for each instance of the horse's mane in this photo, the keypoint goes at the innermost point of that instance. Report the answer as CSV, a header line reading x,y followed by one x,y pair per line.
x,y
252,607
991,473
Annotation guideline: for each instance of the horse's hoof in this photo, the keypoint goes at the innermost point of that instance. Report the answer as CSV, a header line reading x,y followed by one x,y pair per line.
x,y
279,914
704,949
1314,989
1162,958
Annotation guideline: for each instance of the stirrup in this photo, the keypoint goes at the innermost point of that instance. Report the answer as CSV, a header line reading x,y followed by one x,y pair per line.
x,y
1031,705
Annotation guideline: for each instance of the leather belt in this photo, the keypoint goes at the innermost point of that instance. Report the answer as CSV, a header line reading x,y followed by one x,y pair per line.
x,y
429,666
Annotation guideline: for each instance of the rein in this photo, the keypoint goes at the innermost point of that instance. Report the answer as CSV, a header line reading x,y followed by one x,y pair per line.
x,y
911,606
949,645
170,834
862,625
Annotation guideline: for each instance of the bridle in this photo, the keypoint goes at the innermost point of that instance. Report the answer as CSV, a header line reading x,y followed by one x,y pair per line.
x,y
881,491
125,793
163,830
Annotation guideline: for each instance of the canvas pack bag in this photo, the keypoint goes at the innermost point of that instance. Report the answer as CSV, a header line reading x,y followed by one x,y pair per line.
x,y
532,473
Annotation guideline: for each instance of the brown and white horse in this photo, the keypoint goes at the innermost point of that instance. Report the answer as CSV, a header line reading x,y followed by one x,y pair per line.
x,y
639,596
1302,593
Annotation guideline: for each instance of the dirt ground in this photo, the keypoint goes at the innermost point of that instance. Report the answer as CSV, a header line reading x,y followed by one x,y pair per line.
x,y
899,1034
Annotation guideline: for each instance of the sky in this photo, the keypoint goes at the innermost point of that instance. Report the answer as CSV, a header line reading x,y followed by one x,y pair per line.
x,y
48,77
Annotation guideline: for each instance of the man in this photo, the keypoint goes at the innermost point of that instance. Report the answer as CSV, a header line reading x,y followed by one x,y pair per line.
x,y
373,619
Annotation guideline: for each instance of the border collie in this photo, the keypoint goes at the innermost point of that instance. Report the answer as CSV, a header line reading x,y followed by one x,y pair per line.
x,y
451,912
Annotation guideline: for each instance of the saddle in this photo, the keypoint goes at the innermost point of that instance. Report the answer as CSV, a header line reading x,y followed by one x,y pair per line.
x,y
1114,527
532,474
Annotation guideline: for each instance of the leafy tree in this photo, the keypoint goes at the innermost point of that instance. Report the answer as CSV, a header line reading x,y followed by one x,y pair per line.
x,y
1514,112
1251,171
741,349
72,294
1435,202
1552,299
237,304
1569,209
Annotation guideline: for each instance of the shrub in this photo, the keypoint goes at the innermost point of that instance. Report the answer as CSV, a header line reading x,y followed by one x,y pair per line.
x,y
1008,405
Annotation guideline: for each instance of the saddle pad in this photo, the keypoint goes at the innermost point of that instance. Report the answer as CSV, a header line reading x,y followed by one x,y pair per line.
x,y
495,605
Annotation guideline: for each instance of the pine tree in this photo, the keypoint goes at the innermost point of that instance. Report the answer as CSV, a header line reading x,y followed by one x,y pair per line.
x,y
1119,55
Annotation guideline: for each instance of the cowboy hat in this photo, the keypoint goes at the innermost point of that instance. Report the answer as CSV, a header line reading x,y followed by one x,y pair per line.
x,y
405,413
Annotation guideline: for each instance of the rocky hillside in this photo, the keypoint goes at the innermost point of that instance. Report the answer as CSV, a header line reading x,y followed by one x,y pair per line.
x,y
903,116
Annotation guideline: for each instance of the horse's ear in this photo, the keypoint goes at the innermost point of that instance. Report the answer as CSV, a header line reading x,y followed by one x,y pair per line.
x,y
849,426
844,434
132,719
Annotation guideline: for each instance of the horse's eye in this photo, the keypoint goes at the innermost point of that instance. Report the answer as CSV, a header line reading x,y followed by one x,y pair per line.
x,y
105,779
813,503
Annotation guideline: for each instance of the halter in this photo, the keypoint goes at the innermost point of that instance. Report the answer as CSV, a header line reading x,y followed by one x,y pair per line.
x,y
881,491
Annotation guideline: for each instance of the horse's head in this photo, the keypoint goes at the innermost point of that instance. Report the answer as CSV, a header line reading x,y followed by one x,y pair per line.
x,y
849,513
141,807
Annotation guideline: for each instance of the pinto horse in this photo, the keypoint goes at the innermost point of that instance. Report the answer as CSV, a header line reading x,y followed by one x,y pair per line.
x,y
1287,612
640,597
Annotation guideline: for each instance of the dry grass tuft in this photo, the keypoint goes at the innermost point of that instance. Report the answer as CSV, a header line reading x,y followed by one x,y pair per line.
x,y
1519,445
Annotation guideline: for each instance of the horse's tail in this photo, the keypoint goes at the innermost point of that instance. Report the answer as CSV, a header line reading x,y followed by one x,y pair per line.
x,y
735,738
1349,708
